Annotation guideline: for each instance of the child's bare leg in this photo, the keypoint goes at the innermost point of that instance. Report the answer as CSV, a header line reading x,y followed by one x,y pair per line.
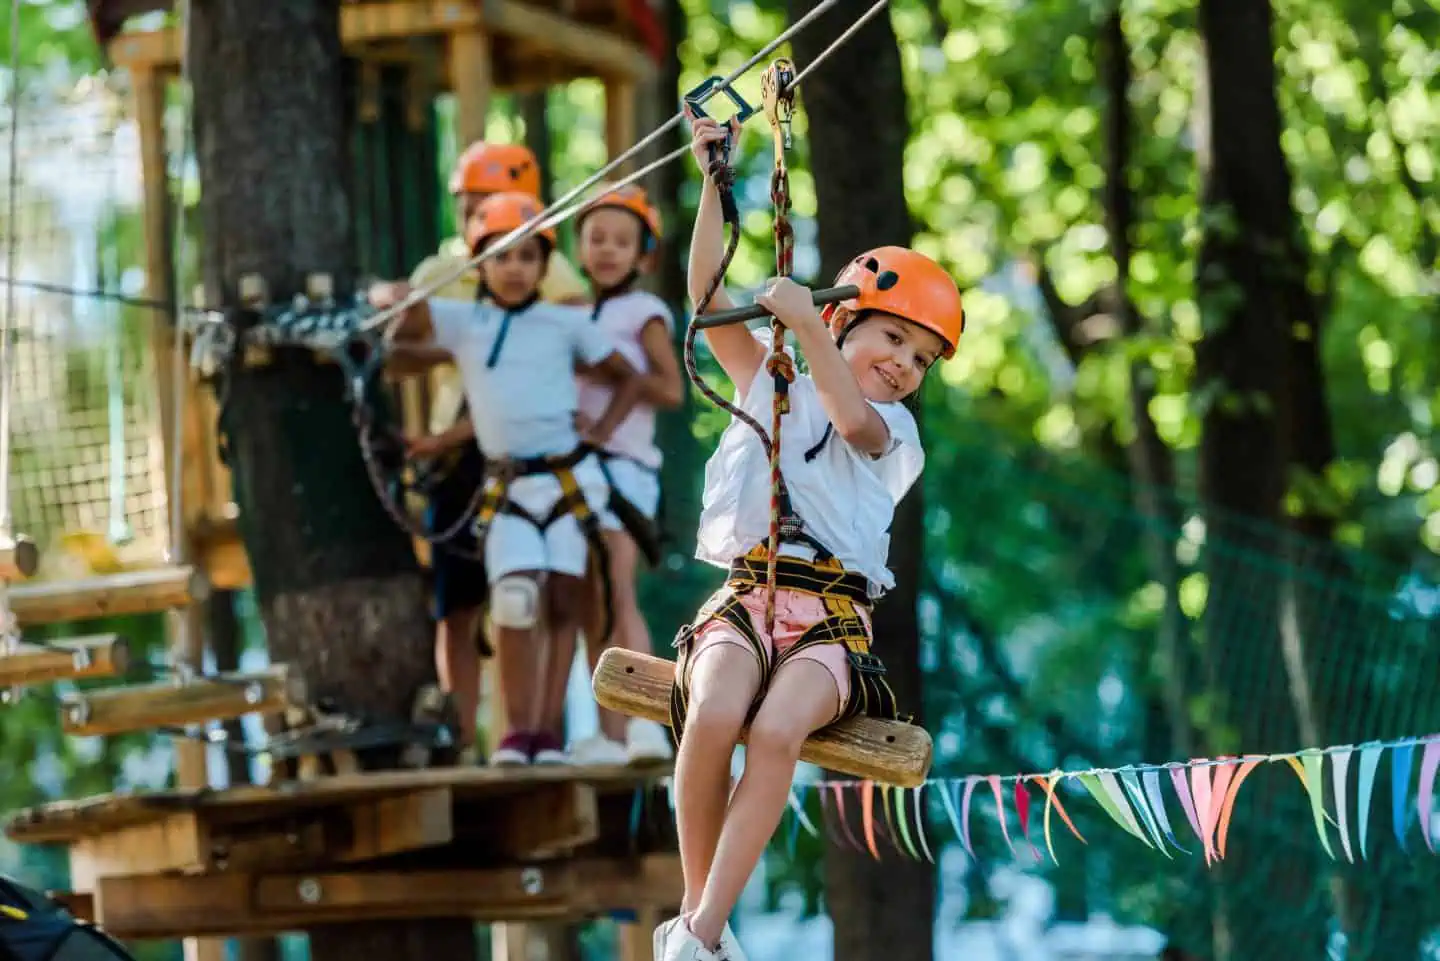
x,y
628,629
515,613
801,699
562,594
724,678
457,663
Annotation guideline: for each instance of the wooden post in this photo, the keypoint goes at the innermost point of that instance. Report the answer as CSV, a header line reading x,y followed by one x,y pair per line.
x,y
149,90
472,79
620,120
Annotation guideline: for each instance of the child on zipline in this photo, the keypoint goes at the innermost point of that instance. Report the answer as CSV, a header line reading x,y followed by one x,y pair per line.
x,y
619,233
459,584
544,490
849,452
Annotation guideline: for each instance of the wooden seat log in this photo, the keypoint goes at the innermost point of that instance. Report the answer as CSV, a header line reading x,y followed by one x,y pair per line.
x,y
104,655
890,752
19,558
131,592
179,703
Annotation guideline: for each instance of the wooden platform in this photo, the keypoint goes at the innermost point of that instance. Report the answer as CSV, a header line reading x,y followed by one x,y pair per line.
x,y
542,843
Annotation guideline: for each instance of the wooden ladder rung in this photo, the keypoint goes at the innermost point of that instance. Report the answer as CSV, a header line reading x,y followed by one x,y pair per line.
x,y
132,592
179,703
104,655
19,558
890,752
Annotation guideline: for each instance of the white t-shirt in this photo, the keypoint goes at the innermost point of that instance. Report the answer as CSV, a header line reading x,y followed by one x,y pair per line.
x,y
622,318
845,497
525,405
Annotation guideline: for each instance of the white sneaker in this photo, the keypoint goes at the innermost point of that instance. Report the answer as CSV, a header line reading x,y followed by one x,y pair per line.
x,y
730,946
674,942
647,742
598,750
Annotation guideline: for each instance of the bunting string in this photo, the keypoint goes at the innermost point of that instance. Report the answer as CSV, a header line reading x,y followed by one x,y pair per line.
x,y
1153,803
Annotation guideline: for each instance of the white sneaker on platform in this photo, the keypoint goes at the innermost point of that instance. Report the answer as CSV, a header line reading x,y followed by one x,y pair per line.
x,y
599,751
730,946
647,742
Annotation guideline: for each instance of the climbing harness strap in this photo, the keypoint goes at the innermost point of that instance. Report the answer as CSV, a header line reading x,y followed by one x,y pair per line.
x,y
847,601
495,500
644,531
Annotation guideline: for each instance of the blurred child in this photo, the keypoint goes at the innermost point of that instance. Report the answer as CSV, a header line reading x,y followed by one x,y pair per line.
x,y
618,234
850,450
517,358
460,584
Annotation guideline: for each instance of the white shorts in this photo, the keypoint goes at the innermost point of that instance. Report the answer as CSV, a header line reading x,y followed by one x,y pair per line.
x,y
514,544
637,484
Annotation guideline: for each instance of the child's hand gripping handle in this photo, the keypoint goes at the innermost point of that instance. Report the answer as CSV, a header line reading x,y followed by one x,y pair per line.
x,y
737,315
720,152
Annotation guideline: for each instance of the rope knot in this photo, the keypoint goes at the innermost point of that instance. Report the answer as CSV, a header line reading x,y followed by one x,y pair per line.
x,y
781,365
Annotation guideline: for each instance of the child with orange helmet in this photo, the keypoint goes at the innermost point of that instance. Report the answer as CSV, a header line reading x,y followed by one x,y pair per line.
x,y
618,233
849,451
544,488
459,584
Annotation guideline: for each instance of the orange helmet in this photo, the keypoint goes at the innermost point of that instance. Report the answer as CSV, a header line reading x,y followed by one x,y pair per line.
x,y
492,168
630,197
498,214
909,285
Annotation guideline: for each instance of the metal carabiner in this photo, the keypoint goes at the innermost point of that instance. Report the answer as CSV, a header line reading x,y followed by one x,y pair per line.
x,y
777,96
706,90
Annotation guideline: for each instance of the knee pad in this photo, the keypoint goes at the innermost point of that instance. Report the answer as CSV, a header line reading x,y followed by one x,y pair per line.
x,y
515,602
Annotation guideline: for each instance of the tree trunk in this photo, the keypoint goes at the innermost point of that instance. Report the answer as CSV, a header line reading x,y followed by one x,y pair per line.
x,y
337,584
1250,279
883,910
535,113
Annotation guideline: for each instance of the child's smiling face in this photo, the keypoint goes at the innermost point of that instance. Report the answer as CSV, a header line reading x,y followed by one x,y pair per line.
x,y
514,275
889,356
611,242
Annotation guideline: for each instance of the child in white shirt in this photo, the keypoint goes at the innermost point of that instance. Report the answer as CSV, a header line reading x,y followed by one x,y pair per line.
x,y
540,516
849,451
619,233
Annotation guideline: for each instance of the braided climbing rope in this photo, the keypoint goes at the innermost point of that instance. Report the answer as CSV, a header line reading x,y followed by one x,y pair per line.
x,y
778,96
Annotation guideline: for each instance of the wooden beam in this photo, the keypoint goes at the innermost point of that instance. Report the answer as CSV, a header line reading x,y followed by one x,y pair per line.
x,y
604,52
62,822
545,822
472,78
19,558
889,752
175,704
620,120
177,842
238,903
131,592
104,655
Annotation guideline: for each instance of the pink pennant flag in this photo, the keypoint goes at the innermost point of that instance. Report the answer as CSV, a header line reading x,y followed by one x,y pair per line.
x,y
1187,804
970,785
994,780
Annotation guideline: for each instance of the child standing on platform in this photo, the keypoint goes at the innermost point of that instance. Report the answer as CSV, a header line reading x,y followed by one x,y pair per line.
x,y
460,584
849,452
539,520
619,233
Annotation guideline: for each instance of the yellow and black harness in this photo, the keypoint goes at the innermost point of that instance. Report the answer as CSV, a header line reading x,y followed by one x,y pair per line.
x,y
846,595
500,473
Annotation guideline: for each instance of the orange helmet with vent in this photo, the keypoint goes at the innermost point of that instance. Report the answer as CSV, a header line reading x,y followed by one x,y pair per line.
x,y
501,213
492,168
895,280
630,197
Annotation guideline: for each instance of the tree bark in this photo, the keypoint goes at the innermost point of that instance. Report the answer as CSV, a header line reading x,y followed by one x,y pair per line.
x,y
1250,280
886,909
337,584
